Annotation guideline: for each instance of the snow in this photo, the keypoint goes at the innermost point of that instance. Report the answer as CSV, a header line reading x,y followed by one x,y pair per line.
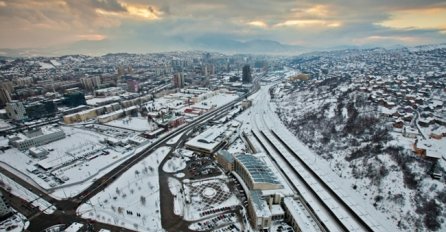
x,y
388,191
217,101
139,124
82,172
136,191
298,213
193,193
174,164
174,139
264,118
102,100
44,65
74,227
23,193
178,201
209,139
55,62
180,175
15,223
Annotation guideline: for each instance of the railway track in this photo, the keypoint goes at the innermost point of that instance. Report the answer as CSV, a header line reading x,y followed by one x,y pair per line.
x,y
336,212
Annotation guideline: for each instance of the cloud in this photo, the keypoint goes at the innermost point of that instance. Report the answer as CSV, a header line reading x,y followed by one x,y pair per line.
x,y
258,23
175,24
429,18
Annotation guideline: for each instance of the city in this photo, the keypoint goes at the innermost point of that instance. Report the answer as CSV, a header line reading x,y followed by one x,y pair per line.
x,y
255,135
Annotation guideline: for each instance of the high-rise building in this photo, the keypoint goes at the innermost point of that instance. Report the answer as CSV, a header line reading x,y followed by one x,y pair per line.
x,y
246,78
40,109
4,96
75,98
91,83
16,110
178,80
133,85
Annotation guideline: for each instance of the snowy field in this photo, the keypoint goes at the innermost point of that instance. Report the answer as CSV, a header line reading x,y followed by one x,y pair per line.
x,y
218,100
139,124
175,164
84,158
132,201
391,179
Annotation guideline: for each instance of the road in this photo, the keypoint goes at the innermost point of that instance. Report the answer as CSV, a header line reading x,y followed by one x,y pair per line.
x,y
66,209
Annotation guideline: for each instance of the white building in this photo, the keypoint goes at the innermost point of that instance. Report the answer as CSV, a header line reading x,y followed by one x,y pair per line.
x,y
38,152
16,110
209,141
36,138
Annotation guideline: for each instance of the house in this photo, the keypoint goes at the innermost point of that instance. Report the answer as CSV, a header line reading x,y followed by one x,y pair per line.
x,y
398,124
428,149
438,133
410,132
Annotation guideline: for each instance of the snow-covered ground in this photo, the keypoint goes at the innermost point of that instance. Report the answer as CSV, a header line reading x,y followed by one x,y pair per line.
x,y
15,223
262,115
385,173
200,195
140,124
175,164
20,191
133,200
83,154
217,100
174,139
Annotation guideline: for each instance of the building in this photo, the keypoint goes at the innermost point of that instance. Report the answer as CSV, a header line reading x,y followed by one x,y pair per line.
x,y
35,138
255,173
226,160
91,83
80,116
133,85
209,141
38,152
296,215
5,210
259,211
106,92
246,104
16,110
178,80
246,77
5,97
74,99
40,109
265,191
117,114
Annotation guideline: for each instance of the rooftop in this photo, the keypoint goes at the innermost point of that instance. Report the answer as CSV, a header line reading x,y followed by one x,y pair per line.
x,y
258,170
260,206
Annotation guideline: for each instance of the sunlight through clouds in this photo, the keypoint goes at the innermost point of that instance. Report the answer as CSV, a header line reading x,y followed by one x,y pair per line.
x,y
434,18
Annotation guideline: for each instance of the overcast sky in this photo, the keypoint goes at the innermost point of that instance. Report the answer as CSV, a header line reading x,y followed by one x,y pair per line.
x,y
163,25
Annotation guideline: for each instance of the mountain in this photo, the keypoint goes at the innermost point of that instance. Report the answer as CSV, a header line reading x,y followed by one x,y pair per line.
x,y
221,44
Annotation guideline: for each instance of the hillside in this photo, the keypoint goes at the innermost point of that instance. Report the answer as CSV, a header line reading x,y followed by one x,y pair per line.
x,y
361,126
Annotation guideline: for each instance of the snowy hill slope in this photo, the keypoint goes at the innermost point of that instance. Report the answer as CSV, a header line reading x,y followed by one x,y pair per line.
x,y
348,128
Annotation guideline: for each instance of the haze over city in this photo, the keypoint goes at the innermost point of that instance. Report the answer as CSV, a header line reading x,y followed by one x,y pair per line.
x,y
279,27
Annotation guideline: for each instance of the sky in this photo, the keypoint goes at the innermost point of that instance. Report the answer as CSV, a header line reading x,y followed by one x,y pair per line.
x,y
167,25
